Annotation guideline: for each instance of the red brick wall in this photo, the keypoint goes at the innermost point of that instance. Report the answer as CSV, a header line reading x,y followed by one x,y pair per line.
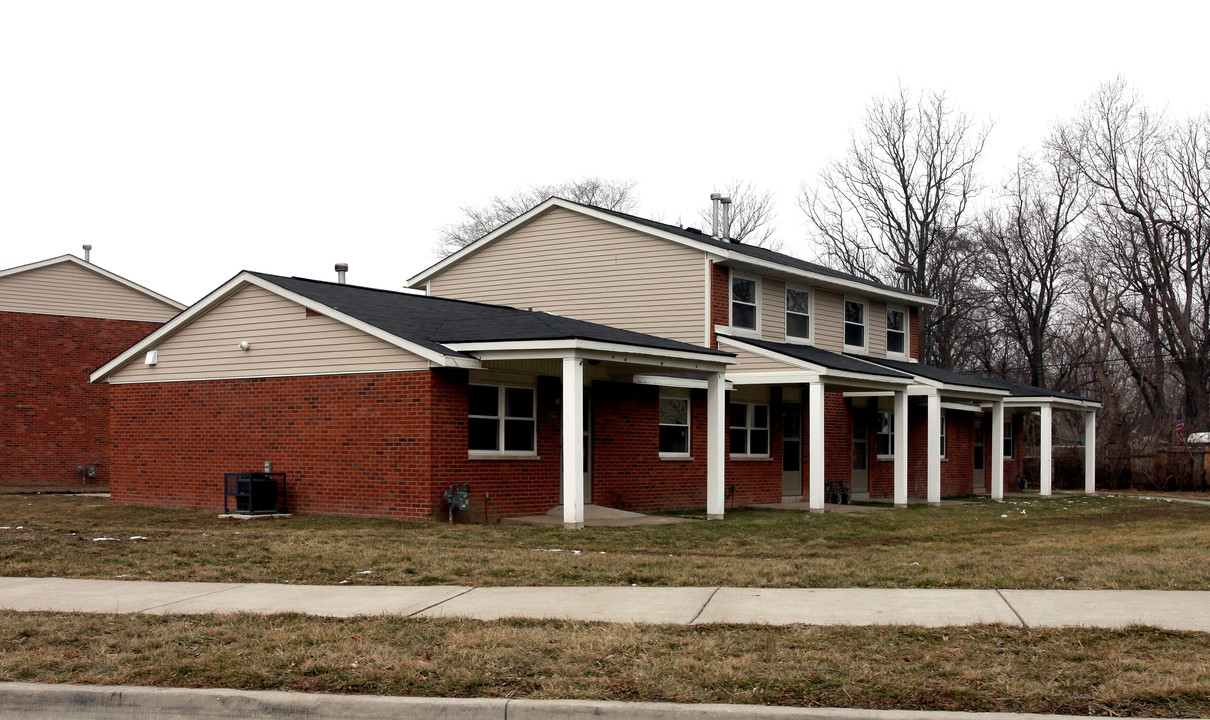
x,y
51,418
720,299
349,444
916,328
500,487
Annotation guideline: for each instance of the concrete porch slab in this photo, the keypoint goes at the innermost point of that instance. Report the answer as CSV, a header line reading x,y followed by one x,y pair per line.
x,y
595,516
657,605
857,606
342,601
799,506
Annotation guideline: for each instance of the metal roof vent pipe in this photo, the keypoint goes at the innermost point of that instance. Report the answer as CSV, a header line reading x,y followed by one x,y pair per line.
x,y
726,203
341,269
714,201
87,252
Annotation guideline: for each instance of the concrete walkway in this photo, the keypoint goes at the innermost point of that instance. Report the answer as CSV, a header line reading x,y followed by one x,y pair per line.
x,y
1170,609
29,701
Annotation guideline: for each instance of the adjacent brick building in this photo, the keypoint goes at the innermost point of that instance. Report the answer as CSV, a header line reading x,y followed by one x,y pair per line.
x,y
60,319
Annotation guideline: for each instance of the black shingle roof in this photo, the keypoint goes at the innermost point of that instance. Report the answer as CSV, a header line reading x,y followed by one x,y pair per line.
x,y
757,253
1015,389
825,358
934,373
432,322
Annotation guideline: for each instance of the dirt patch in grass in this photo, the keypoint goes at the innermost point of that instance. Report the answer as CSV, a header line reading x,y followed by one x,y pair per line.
x,y
1136,671
1065,543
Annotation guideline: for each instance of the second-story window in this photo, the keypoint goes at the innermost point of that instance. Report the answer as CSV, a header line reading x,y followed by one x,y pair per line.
x,y
854,324
743,303
896,331
798,314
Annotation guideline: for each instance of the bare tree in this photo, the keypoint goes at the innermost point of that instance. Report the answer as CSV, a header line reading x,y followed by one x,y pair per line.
x,y
1027,255
479,220
753,215
1152,181
896,204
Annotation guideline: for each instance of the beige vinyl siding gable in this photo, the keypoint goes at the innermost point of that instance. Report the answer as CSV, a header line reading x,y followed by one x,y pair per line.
x,y
569,264
284,340
747,362
66,288
773,310
828,320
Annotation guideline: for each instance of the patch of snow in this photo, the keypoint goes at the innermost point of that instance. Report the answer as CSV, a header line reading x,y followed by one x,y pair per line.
x,y
138,537
363,572
102,539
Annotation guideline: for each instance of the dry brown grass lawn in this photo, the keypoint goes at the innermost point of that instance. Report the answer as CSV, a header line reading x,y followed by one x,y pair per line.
x,y
1135,671
1065,542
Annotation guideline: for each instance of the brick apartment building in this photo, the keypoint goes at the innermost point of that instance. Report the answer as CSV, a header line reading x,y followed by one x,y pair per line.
x,y
575,355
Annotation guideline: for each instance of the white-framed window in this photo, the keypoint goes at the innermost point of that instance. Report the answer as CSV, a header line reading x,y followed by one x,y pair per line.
x,y
674,423
501,419
943,430
744,307
855,321
1008,439
896,331
885,438
798,314
749,424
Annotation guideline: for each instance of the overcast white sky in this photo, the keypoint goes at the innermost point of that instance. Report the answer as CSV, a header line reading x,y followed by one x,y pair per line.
x,y
188,141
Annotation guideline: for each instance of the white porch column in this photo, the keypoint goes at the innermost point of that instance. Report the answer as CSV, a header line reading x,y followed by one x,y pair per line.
x,y
573,443
815,440
901,448
716,413
998,450
1090,452
934,451
1045,462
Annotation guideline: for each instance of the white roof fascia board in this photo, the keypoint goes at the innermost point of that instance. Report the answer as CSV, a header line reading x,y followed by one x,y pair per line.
x,y
256,376
869,393
773,378
771,355
727,255
676,382
98,270
814,368
236,284
567,347
1059,403
961,407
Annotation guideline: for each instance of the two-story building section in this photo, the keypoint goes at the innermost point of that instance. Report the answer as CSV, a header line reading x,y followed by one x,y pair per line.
x,y
573,356
827,391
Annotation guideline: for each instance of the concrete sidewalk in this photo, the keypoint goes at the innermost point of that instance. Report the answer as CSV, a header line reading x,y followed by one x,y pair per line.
x,y
30,701
1170,609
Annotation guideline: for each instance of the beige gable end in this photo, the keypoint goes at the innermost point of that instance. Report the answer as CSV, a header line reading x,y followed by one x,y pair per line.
x,y
66,288
284,339
569,264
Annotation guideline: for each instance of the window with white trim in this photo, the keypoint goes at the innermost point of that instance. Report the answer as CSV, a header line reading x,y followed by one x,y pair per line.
x,y
743,303
798,314
896,331
501,419
749,424
885,438
855,325
674,423
1008,439
943,429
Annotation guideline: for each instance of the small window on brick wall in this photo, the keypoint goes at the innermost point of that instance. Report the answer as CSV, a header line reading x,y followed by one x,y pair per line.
x,y
885,438
501,419
674,423
749,429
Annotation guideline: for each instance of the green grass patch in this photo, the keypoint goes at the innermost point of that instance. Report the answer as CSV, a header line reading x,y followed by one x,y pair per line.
x,y
1136,671
1070,542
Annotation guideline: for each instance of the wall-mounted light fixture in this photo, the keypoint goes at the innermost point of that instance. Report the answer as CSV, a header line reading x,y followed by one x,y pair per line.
x,y
244,345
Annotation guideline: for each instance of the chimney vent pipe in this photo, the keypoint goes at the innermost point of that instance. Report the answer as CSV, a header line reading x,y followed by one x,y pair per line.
x,y
341,269
714,198
726,203
87,252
